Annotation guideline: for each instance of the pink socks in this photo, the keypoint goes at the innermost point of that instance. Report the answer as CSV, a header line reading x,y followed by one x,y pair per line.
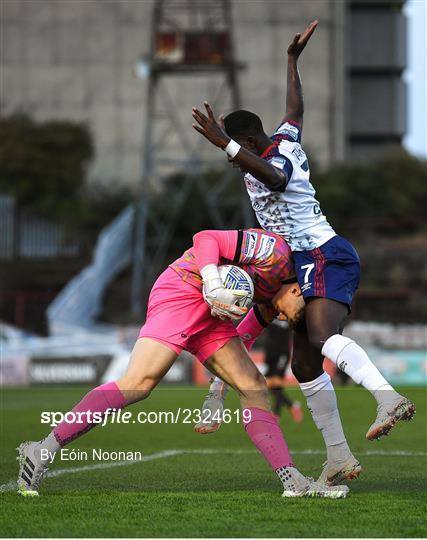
x,y
262,428
264,431
98,400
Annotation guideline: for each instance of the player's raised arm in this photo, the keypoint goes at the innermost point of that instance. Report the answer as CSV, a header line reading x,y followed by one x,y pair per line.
x,y
214,132
294,97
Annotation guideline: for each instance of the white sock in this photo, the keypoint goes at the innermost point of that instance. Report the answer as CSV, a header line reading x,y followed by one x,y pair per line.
x,y
51,445
219,388
353,360
292,479
322,403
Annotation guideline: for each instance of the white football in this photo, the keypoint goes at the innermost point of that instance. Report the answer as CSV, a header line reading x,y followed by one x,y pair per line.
x,y
236,279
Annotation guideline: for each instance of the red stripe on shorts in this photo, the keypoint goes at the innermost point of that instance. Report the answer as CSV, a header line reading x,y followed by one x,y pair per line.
x,y
319,280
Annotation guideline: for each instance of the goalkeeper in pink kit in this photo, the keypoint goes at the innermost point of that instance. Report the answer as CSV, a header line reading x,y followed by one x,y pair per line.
x,y
179,318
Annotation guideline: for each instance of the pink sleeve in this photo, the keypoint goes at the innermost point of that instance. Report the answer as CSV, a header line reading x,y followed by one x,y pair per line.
x,y
250,328
210,246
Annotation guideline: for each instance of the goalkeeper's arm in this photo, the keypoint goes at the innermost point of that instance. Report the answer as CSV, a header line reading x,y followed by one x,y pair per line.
x,y
209,248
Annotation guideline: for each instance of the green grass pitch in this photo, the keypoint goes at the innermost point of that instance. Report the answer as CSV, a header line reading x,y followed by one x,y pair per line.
x,y
220,487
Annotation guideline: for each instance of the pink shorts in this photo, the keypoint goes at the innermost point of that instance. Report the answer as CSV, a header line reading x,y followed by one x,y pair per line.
x,y
178,317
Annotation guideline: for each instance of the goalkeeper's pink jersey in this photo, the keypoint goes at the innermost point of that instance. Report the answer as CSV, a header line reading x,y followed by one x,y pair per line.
x,y
265,256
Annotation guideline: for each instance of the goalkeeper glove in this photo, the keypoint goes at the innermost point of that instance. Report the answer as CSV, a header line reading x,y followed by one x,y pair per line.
x,y
223,302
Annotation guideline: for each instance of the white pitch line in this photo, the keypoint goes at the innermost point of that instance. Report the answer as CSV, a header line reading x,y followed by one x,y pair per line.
x,y
306,452
11,485
111,464
367,453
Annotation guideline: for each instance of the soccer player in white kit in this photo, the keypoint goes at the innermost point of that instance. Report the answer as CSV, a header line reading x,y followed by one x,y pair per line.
x,y
277,178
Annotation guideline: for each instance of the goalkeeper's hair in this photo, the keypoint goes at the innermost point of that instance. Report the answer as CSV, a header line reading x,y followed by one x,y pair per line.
x,y
243,124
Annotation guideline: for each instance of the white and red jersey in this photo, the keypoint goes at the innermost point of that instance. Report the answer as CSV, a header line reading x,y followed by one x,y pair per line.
x,y
292,211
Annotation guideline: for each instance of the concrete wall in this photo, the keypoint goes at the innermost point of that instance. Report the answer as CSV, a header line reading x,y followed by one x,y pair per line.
x,y
74,59
376,59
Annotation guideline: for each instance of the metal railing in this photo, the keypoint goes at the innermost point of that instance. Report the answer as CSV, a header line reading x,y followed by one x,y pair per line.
x,y
25,235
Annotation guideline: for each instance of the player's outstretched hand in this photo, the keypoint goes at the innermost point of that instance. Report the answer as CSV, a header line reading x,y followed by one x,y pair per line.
x,y
209,127
300,41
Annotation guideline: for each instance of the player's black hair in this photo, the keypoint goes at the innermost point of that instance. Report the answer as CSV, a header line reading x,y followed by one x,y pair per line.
x,y
243,124
288,281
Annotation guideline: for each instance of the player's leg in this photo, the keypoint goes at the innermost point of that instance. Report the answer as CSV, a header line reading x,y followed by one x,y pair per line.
x,y
319,392
233,364
277,357
325,318
280,399
276,339
149,362
212,409
328,277
214,402
275,382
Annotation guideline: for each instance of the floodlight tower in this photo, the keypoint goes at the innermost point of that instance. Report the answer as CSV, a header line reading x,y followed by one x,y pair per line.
x,y
189,39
